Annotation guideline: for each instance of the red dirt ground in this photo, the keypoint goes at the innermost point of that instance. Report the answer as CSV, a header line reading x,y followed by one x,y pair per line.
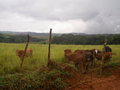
x,y
90,82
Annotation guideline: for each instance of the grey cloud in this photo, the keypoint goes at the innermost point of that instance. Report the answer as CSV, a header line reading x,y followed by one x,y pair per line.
x,y
101,25
49,9
101,16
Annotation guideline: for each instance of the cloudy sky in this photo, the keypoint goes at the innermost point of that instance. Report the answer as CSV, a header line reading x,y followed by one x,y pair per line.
x,y
64,16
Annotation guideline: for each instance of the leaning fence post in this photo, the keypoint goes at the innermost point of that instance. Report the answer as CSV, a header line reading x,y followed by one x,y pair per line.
x,y
49,46
26,46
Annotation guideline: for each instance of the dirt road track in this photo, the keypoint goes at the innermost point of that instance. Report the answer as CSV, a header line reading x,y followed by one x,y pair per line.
x,y
100,83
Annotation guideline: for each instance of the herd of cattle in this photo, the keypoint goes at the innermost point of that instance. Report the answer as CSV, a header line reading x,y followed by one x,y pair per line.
x,y
81,58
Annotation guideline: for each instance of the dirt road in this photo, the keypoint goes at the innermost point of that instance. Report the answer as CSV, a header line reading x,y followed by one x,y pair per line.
x,y
111,82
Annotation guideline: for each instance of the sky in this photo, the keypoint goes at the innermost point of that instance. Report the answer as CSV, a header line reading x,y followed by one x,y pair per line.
x,y
63,16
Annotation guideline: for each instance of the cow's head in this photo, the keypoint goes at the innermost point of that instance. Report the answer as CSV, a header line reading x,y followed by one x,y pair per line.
x,y
67,51
96,51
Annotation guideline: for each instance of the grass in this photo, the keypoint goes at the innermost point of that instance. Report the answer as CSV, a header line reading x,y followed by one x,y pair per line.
x,y
12,78
9,62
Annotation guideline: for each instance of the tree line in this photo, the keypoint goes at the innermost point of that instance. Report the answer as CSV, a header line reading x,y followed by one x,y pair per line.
x,y
19,39
85,39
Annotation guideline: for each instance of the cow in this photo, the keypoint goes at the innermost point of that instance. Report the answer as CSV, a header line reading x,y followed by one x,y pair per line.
x,y
20,53
104,56
107,49
81,58
91,54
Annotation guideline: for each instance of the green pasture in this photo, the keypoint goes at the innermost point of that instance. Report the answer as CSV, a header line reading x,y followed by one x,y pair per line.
x,y
9,62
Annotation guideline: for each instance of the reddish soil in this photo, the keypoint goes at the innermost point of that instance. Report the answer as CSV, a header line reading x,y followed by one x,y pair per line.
x,y
92,82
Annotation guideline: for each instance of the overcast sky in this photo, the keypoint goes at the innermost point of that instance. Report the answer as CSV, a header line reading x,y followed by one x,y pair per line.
x,y
64,16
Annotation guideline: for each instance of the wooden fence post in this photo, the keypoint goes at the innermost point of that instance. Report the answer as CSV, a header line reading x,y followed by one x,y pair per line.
x,y
26,46
49,46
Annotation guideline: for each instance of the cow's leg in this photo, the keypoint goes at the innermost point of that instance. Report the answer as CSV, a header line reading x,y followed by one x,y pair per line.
x,y
102,63
83,68
76,65
87,65
93,63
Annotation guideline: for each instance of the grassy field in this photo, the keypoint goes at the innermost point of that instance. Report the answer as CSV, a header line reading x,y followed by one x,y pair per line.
x,y
9,62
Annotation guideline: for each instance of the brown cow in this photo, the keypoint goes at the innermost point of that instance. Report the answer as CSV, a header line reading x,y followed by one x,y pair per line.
x,y
20,53
81,58
90,54
106,56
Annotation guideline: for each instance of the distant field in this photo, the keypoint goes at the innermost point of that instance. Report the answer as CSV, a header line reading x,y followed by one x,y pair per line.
x,y
9,62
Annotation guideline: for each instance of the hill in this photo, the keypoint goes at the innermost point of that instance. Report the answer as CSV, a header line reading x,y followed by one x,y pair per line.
x,y
60,38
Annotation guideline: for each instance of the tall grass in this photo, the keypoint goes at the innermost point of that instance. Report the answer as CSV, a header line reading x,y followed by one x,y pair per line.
x,y
9,62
